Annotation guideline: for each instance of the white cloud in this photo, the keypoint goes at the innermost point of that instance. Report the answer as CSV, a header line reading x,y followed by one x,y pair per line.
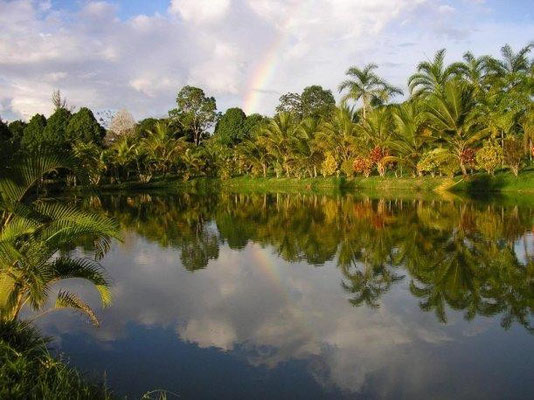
x,y
200,11
233,49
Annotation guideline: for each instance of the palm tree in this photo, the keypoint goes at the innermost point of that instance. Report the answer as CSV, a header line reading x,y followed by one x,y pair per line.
x,y
512,65
431,76
340,135
472,70
33,233
161,148
367,86
277,137
454,118
411,135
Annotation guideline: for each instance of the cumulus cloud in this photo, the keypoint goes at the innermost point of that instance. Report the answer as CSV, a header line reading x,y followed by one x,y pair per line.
x,y
234,49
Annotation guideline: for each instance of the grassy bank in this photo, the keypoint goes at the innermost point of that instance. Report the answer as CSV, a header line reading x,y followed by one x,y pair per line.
x,y
503,182
29,371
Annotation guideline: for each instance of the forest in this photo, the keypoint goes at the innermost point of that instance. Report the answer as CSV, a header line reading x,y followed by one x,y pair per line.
x,y
473,115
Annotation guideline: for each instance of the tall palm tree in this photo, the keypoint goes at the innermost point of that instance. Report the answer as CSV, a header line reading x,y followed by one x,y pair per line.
x,y
33,233
411,135
453,116
431,76
340,135
365,85
512,70
473,70
277,137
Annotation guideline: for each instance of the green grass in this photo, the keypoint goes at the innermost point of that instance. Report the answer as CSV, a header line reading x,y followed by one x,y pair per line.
x,y
28,370
502,182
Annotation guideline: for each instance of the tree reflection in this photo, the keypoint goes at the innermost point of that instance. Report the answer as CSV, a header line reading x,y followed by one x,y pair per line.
x,y
455,255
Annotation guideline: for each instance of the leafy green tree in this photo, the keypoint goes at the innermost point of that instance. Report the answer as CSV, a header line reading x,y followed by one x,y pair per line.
x,y
230,129
145,125
5,133
33,133
489,157
513,154
55,131
17,132
83,127
365,85
317,102
196,113
253,124
290,103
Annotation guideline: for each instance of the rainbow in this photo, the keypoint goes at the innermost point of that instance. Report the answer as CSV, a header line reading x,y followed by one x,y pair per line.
x,y
266,68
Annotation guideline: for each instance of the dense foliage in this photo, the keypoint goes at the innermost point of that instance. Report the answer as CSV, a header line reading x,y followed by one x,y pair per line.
x,y
28,370
473,115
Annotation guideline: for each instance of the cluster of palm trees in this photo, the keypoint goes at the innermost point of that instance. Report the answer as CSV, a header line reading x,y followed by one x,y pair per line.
x,y
476,114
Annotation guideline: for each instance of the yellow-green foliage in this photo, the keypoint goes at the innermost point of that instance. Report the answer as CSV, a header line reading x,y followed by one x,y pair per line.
x,y
347,168
489,157
329,166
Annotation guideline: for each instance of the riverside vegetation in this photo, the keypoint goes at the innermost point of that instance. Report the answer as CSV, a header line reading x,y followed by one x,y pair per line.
x,y
473,115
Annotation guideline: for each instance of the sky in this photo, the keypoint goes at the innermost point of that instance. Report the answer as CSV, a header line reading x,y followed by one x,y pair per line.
x,y
137,54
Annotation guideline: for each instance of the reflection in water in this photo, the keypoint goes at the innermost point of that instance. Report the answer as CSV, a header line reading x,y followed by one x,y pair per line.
x,y
240,273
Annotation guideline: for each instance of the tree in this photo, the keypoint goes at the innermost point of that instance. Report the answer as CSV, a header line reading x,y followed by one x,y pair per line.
x,y
431,76
59,101
366,86
83,127
145,125
317,102
33,232
230,129
195,112
55,131
489,157
290,103
513,154
33,132
17,131
122,124
453,117
472,70
5,133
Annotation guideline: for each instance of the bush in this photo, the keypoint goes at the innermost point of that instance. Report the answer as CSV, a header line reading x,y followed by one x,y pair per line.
x,y
489,157
347,168
28,371
377,156
329,166
513,154
363,165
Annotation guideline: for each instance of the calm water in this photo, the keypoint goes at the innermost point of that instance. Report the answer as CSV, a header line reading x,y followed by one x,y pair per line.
x,y
307,296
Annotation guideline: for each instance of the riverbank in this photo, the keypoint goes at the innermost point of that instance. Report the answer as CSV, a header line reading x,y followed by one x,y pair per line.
x,y
476,184
29,371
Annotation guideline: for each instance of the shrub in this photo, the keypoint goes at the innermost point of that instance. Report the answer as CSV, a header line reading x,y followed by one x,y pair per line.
x,y
489,157
347,168
363,165
513,154
28,371
427,164
329,166
377,156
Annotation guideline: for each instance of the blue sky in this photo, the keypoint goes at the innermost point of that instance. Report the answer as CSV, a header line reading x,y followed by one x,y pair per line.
x,y
137,54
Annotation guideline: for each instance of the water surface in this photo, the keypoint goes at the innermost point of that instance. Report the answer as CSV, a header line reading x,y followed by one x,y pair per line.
x,y
311,296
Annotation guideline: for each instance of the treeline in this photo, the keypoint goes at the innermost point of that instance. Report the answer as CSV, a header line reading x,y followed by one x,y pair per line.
x,y
475,114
